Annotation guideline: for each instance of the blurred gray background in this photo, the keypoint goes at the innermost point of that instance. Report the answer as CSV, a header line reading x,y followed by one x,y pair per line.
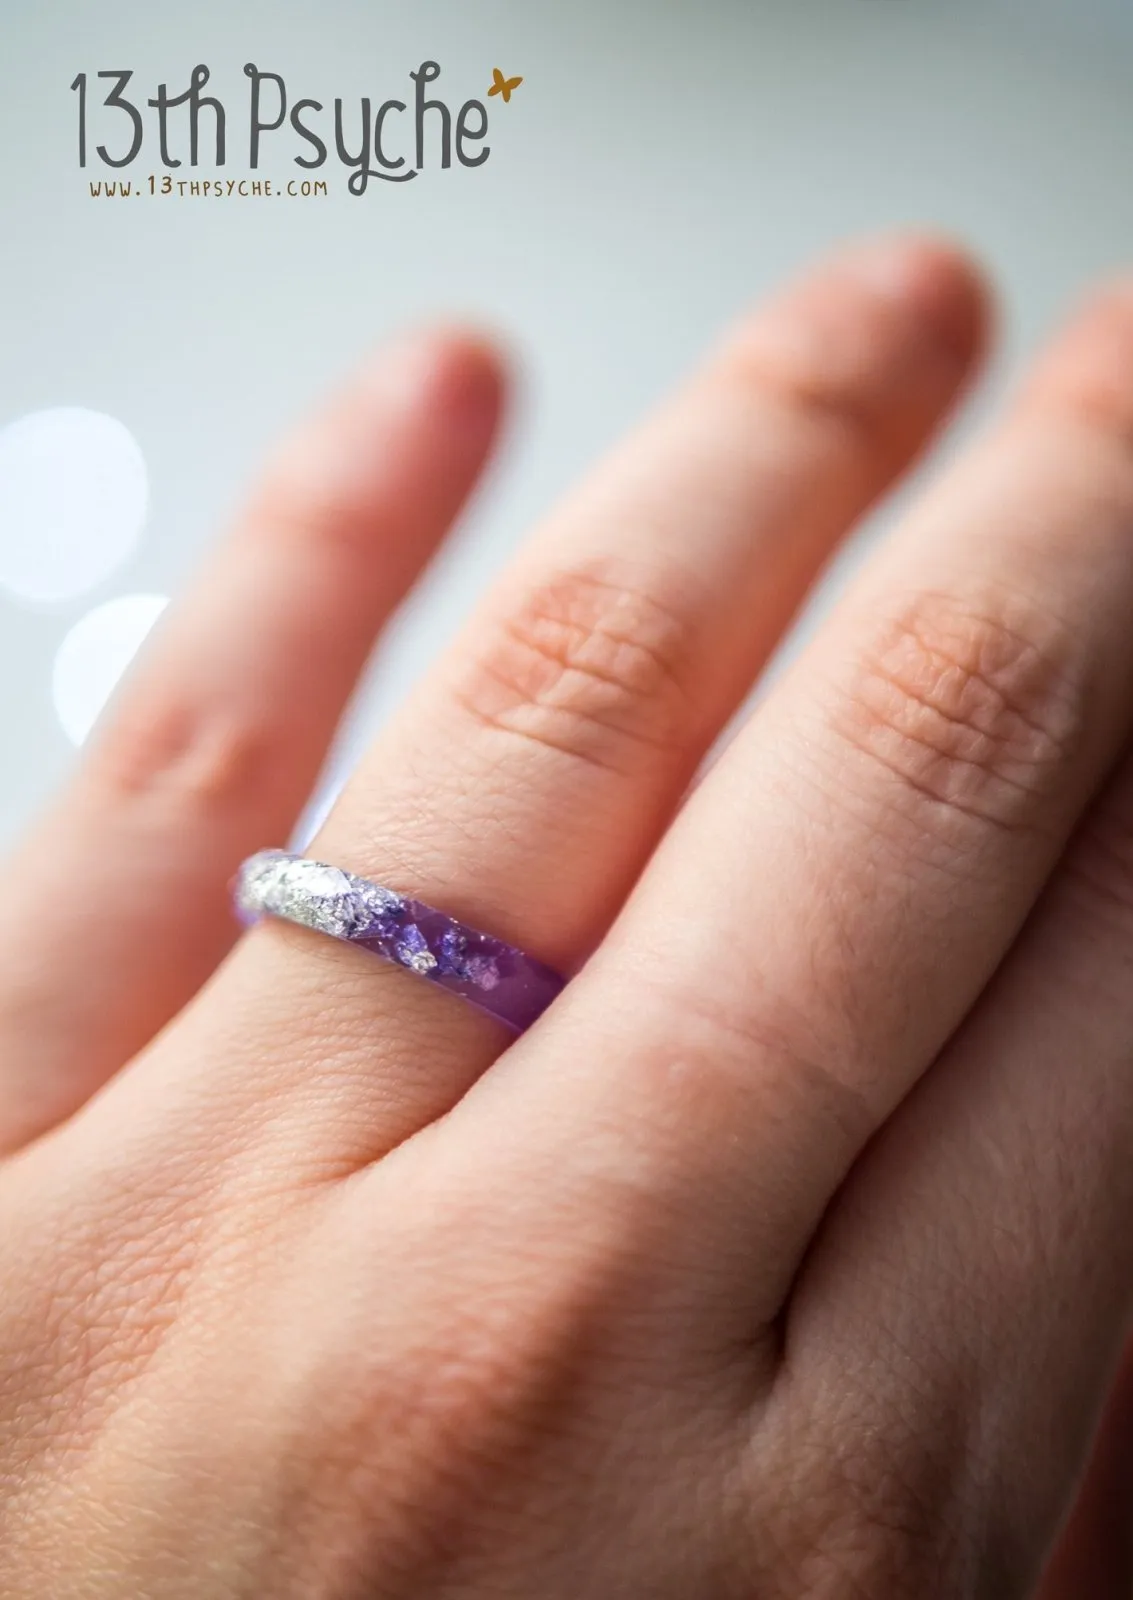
x,y
661,165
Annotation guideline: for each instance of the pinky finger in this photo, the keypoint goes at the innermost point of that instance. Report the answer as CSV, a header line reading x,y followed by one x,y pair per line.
x,y
115,911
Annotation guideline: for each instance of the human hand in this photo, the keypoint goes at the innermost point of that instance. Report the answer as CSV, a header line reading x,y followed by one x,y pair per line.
x,y
788,1254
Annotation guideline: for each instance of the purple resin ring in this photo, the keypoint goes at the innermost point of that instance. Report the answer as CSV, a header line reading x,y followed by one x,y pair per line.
x,y
490,974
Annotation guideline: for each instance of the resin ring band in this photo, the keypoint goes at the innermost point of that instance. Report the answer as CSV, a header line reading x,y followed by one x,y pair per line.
x,y
490,974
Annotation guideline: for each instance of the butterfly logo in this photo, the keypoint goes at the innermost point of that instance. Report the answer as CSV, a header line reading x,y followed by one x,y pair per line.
x,y
503,86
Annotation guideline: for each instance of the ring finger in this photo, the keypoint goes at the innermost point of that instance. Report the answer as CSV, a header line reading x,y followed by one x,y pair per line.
x,y
527,782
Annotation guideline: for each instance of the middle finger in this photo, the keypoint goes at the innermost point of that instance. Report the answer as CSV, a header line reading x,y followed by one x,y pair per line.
x,y
836,895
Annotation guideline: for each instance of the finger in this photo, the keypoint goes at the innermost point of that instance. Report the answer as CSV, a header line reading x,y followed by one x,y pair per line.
x,y
528,781
116,910
989,1229
837,893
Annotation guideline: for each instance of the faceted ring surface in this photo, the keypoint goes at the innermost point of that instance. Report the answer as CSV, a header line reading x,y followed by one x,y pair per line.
x,y
495,977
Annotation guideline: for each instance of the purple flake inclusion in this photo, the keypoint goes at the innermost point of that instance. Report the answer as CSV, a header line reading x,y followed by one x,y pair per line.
x,y
492,975
412,950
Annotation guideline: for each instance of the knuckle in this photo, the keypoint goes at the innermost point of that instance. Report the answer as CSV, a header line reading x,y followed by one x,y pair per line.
x,y
588,664
181,754
467,1402
1086,375
836,358
886,1544
699,1065
816,380
898,1516
461,1414
974,711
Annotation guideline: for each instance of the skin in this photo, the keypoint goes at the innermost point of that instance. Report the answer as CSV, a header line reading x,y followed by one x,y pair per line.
x,y
789,1254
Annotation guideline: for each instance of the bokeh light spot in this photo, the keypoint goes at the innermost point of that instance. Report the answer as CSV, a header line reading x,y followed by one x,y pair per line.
x,y
73,497
95,654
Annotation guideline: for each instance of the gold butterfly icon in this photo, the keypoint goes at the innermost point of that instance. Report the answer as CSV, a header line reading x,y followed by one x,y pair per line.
x,y
502,85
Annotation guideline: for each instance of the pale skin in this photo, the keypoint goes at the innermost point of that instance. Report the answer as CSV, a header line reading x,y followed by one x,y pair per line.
x,y
790,1254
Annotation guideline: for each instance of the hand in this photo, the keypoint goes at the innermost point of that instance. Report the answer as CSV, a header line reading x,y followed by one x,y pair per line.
x,y
789,1253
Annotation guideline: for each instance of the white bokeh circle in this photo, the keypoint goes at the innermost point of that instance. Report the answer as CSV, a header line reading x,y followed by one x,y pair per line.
x,y
95,654
73,498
